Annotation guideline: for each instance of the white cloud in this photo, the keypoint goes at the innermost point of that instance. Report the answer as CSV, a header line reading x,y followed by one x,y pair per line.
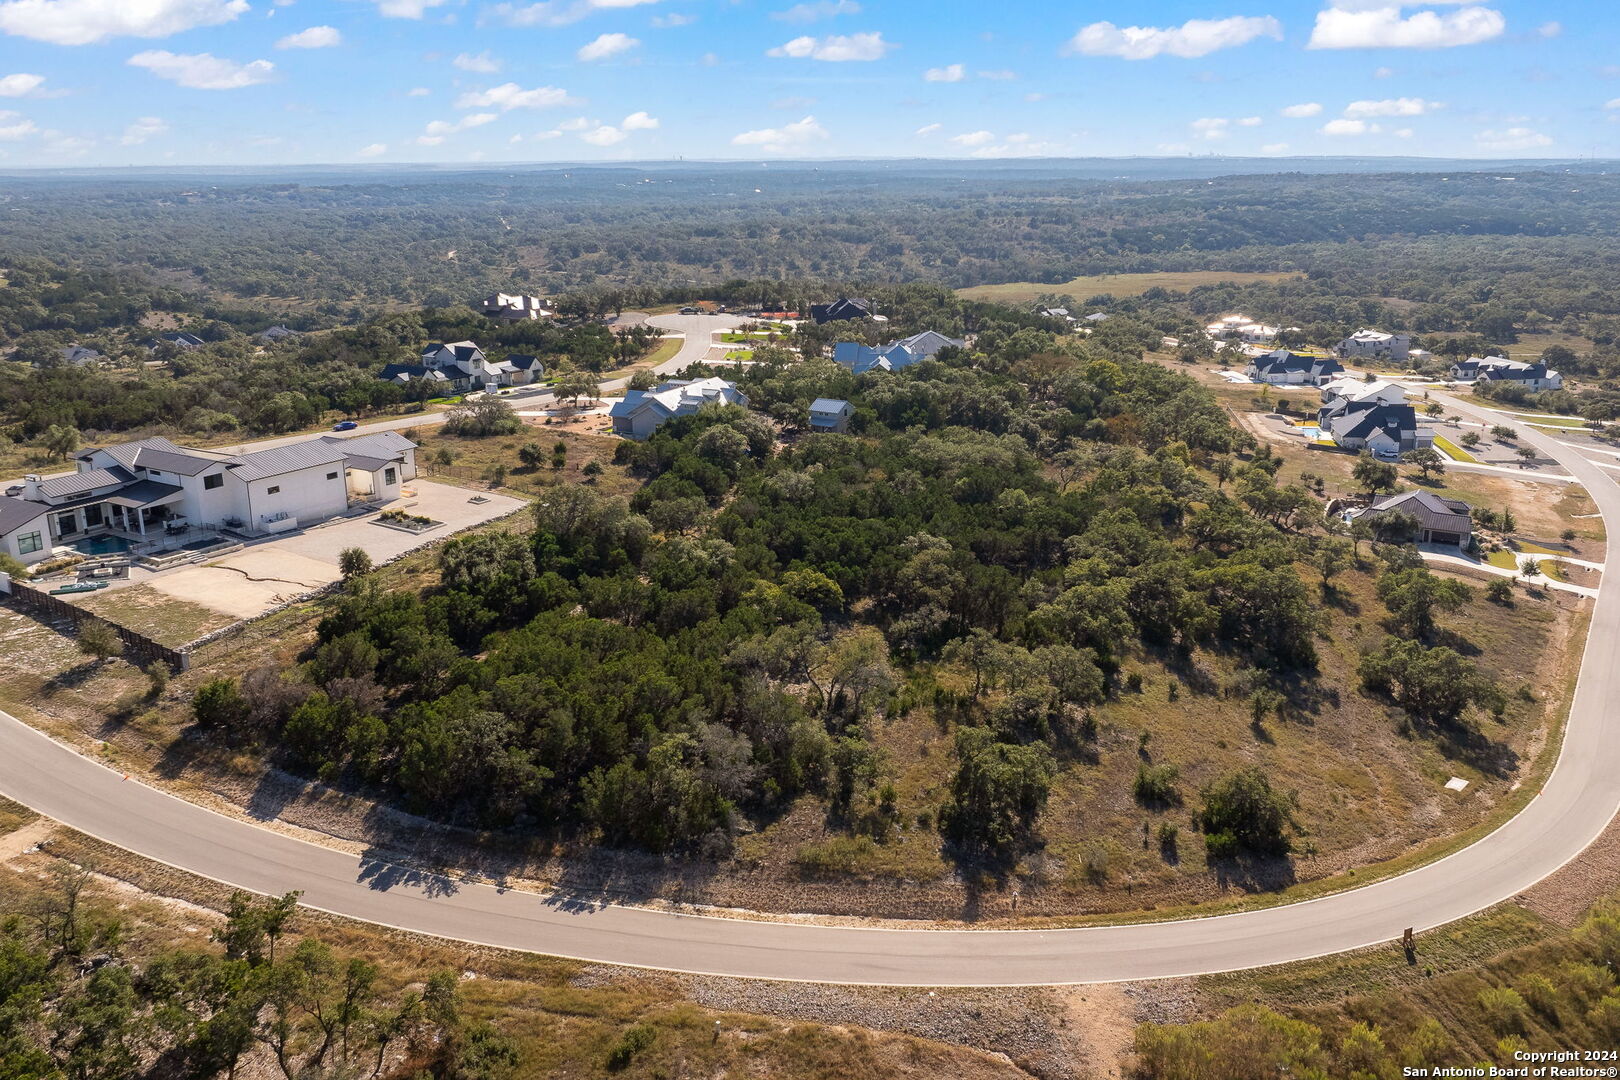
x,y
405,9
1034,95
949,73
1019,145
203,71
84,22
1347,26
710,59
607,45
418,91
1003,75
437,130
1211,127
820,9
794,102
673,20
147,127
21,85
1406,106
1274,148
15,126
1513,138
554,12
1383,72
835,47
780,140
639,121
1195,37
316,37
375,149
1249,121
928,129
974,138
512,96
605,135
578,123
1403,133
1550,29
1349,127
483,63
1612,103
1302,110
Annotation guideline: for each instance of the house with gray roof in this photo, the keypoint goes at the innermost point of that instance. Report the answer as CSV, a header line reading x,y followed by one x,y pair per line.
x,y
1374,345
1439,520
461,366
1532,377
277,333
842,309
79,355
514,307
1377,426
642,412
153,491
1280,367
179,339
896,355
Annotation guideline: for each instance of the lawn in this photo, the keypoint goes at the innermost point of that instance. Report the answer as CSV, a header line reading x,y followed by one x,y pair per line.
x,y
1119,285
1452,450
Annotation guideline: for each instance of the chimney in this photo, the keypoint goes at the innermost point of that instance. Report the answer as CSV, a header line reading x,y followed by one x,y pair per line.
x,y
31,488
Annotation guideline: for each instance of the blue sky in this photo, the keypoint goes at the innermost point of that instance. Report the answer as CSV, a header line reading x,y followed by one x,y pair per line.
x,y
177,82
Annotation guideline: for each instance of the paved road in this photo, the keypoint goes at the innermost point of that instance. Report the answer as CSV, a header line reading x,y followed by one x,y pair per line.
x,y
1576,804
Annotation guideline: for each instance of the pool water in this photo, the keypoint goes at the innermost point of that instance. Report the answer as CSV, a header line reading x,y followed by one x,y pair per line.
x,y
101,545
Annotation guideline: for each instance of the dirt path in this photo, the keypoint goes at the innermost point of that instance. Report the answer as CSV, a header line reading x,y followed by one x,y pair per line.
x,y
17,842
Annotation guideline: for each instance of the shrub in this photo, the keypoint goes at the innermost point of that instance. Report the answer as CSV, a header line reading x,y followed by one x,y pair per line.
x,y
1503,1009
219,704
635,1040
1243,813
352,562
99,640
1156,785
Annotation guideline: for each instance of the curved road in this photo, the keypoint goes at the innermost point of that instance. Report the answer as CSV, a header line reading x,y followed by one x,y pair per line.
x,y
1575,806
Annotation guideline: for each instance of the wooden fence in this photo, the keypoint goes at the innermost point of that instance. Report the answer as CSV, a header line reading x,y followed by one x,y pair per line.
x,y
143,648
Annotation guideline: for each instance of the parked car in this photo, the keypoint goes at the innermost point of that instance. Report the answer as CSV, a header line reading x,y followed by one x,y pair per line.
x,y
345,425
689,311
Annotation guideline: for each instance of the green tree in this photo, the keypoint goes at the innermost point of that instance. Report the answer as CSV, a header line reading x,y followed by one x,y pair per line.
x,y
1243,813
1374,475
997,794
219,704
1433,684
61,440
353,562
1428,461
1414,596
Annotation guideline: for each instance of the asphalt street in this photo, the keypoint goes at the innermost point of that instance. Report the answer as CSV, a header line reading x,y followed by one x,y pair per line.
x,y
1577,802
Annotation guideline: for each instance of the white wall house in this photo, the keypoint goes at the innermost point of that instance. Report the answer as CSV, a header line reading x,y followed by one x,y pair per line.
x,y
151,491
1533,377
1374,345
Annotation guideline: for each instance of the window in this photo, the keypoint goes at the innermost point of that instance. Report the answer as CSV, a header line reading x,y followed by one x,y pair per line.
x,y
273,491
93,516
331,476
390,477
212,482
67,523
28,543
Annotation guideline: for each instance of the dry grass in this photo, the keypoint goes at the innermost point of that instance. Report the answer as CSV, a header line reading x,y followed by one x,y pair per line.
x,y
163,618
1119,285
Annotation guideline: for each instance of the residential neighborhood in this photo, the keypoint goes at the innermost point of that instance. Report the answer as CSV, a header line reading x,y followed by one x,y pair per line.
x,y
1282,367
461,366
642,412
1499,369
896,355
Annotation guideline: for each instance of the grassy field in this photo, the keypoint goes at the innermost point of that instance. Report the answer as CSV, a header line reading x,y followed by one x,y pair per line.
x,y
1083,288
1452,450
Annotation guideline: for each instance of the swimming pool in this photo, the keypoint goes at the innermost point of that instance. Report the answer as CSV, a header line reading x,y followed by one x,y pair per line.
x,y
101,545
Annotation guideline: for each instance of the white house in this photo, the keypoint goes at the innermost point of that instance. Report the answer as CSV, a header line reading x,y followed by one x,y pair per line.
x,y
1533,377
153,491
512,307
455,366
830,414
1283,368
1373,425
1342,392
1374,345
643,411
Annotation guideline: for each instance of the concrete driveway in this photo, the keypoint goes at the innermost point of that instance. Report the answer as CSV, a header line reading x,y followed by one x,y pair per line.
x,y
271,572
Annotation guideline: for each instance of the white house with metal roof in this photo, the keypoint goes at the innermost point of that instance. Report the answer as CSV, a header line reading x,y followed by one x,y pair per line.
x,y
155,494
